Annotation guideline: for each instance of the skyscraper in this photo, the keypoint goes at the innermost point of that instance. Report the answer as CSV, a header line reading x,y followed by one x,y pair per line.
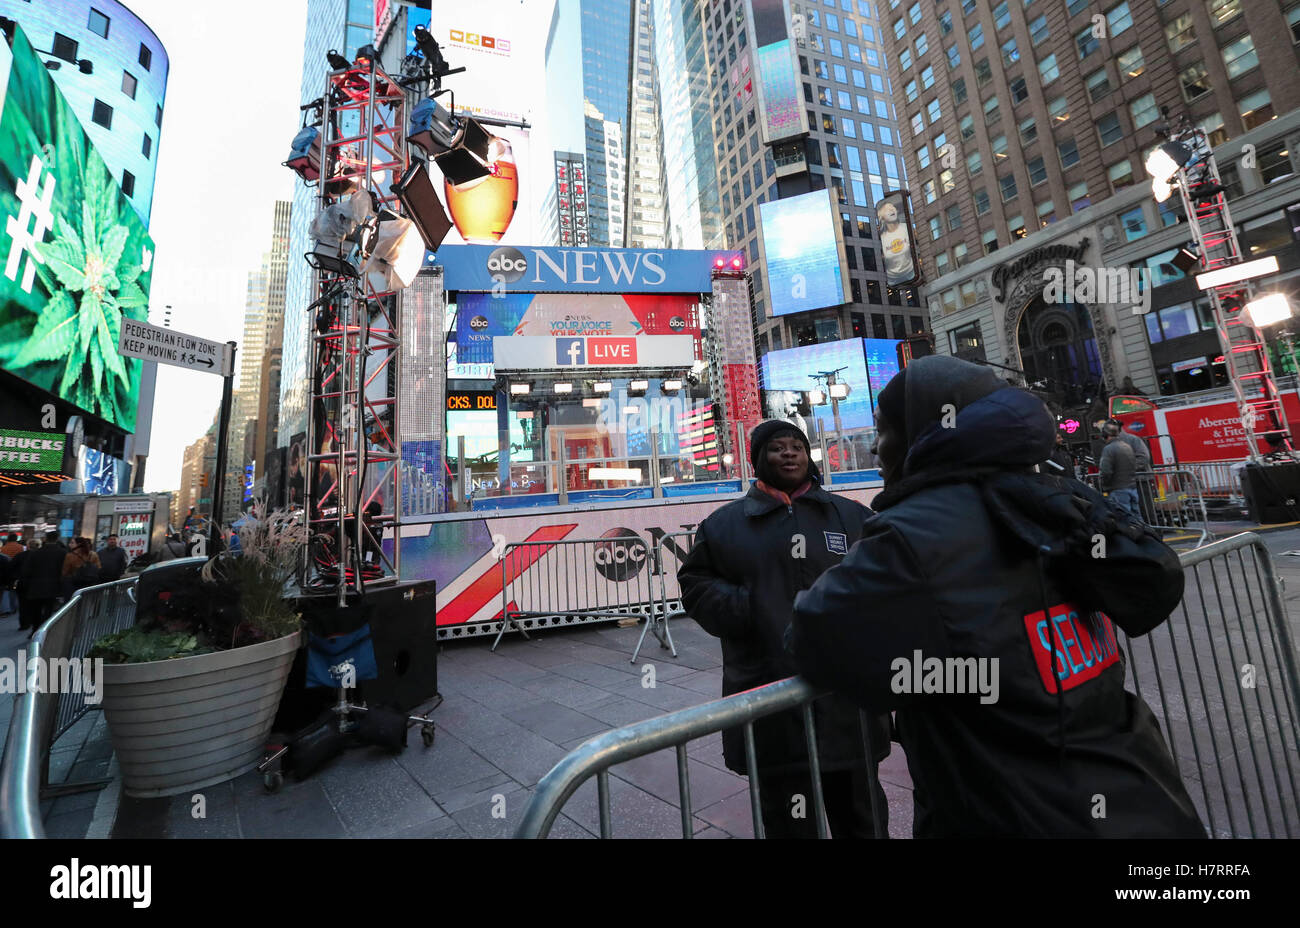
x,y
644,216
1050,109
342,25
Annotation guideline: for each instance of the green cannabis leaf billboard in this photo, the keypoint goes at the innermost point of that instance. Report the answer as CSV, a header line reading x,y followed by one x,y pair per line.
x,y
74,256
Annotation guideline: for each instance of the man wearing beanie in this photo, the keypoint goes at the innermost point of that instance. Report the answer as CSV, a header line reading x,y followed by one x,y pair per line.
x,y
977,564
749,560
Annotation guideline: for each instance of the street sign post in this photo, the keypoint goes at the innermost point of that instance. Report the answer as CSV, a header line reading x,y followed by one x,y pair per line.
x,y
167,346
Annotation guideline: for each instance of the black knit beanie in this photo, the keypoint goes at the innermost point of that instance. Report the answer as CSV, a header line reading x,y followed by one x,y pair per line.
x,y
765,432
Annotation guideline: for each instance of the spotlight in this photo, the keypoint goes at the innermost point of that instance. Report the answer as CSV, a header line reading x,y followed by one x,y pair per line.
x,y
432,128
671,386
719,262
340,236
421,203
1268,309
367,54
337,61
397,254
1161,190
1236,273
1186,259
1164,161
728,458
563,388
637,387
736,262
839,391
591,403
520,389
304,154
472,156
816,398
602,386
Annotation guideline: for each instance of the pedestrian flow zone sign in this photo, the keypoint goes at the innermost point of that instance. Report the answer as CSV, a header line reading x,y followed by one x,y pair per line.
x,y
166,346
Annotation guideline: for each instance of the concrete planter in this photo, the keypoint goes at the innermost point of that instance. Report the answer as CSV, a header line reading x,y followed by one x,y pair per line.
x,y
184,724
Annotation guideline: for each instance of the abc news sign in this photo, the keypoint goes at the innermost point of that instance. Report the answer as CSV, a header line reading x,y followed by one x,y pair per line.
x,y
487,268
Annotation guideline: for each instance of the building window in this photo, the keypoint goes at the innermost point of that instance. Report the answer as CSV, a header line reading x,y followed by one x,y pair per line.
x,y
1131,63
1028,130
146,147
1016,226
1079,196
1046,214
65,47
981,202
1119,19
1019,90
1037,171
1214,130
973,164
1144,111
983,72
992,113
999,146
923,156
1134,224
918,123
1075,7
128,183
945,22
1098,84
1195,81
1069,153
967,343
1048,69
936,228
959,256
98,23
928,191
1008,187
157,116
1059,109
990,241
1086,42
1256,109
976,37
927,77
1240,57
1109,129
1001,16
1180,33
905,59
128,84
102,114
1274,163
954,57
959,90
932,110
910,91
967,126
946,182
922,45
1293,20
1223,10
146,56
1038,30
1121,175
953,214
1010,52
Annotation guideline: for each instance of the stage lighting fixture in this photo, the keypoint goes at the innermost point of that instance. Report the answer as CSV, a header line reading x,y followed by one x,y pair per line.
x,y
472,155
304,154
422,206
563,388
637,387
520,389
737,263
1236,273
337,61
1161,190
432,128
1186,259
1268,309
1164,161
602,386
631,410
816,398
367,53
671,386
339,233
719,262
397,254
591,403
839,391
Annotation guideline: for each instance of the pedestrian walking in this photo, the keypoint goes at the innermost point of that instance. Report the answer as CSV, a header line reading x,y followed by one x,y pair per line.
x,y
112,560
12,546
1119,470
42,579
81,567
172,548
1060,463
739,581
979,566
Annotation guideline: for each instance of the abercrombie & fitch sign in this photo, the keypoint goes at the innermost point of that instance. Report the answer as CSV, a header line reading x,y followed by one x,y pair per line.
x,y
1005,273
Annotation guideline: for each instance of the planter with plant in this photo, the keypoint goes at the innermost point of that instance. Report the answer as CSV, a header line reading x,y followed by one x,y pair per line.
x,y
191,691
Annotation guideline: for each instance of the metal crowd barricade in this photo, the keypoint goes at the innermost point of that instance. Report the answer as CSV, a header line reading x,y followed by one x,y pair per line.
x,y
1215,478
669,604
1169,501
1220,674
39,719
574,582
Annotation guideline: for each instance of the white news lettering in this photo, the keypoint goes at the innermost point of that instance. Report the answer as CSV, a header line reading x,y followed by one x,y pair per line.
x,y
583,267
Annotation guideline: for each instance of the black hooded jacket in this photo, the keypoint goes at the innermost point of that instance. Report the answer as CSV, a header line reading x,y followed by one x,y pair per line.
x,y
739,582
965,553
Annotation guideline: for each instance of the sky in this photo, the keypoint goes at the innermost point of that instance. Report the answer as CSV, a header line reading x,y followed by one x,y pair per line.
x,y
230,114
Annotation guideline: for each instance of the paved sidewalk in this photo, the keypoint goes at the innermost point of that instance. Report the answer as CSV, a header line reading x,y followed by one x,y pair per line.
x,y
507,719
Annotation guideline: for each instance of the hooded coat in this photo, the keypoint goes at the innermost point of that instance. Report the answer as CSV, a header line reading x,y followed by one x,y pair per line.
x,y
739,582
969,553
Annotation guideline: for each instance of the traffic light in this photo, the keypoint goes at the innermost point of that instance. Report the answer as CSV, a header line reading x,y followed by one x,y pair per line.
x,y
203,479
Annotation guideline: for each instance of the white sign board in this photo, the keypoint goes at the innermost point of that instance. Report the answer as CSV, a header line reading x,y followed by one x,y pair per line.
x,y
536,352
166,346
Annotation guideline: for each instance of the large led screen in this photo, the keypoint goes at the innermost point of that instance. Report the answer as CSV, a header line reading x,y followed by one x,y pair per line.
x,y
897,244
76,256
882,363
791,373
804,258
781,106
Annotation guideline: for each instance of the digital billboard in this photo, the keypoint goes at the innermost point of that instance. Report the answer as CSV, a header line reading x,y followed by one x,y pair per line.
x,y
804,255
481,317
882,363
77,258
780,104
790,373
897,245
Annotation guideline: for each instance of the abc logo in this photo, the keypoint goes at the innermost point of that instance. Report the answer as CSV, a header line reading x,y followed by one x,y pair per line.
x,y
622,557
676,323
507,263
478,323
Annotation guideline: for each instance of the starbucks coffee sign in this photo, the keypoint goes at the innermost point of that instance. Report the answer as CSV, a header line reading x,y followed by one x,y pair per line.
x,y
31,452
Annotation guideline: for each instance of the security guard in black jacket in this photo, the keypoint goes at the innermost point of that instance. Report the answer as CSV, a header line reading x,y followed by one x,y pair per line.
x,y
750,558
982,607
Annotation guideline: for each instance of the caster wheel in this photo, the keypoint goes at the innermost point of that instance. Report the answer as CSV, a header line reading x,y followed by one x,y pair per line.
x,y
273,781
426,733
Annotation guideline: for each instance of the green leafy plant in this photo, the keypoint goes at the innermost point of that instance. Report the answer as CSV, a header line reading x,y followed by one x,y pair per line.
x,y
140,645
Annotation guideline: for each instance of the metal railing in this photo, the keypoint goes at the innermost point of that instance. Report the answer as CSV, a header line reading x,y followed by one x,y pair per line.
x,y
1169,501
669,603
1239,758
1216,478
574,582
39,719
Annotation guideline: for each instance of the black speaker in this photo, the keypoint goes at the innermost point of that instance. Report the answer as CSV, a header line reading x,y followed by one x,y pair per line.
x,y
1272,492
403,629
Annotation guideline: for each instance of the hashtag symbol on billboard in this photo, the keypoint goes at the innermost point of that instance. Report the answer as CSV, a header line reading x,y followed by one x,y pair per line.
x,y
28,228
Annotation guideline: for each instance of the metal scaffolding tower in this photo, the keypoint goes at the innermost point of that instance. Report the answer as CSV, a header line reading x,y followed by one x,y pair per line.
x,y
353,482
